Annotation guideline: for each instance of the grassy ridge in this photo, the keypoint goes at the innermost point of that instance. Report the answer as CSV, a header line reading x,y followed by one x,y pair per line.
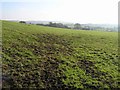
x,y
46,57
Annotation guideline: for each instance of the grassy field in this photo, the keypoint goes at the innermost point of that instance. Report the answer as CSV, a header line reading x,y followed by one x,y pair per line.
x,y
46,57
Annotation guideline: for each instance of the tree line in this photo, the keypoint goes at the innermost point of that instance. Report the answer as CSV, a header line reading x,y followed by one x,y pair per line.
x,y
58,25
76,26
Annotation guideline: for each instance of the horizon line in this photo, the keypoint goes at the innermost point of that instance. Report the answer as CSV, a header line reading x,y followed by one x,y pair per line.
x,y
58,21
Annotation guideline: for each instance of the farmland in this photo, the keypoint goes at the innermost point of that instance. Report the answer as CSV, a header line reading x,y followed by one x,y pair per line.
x,y
46,57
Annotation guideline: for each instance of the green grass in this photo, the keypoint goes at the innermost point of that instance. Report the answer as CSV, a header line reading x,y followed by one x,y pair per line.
x,y
46,57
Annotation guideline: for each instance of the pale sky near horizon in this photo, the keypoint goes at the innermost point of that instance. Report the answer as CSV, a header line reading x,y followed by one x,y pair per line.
x,y
76,11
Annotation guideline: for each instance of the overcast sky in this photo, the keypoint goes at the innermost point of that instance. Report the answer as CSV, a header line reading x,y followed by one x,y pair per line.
x,y
77,11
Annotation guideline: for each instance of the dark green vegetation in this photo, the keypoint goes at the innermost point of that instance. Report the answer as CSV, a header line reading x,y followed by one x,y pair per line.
x,y
45,57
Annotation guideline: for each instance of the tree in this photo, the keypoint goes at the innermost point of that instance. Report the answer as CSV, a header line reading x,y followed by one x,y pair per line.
x,y
22,22
50,23
77,26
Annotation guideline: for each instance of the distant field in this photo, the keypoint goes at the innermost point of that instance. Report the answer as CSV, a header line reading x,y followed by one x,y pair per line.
x,y
46,57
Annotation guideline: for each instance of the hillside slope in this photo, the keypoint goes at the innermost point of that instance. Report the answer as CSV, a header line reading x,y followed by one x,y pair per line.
x,y
46,57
